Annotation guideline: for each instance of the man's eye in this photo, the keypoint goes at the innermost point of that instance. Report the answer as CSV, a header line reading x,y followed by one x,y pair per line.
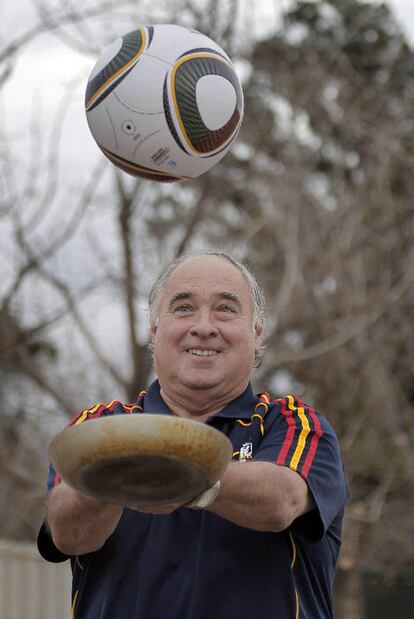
x,y
226,308
182,308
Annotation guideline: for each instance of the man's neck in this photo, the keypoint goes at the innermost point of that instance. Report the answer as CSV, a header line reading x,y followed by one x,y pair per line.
x,y
198,405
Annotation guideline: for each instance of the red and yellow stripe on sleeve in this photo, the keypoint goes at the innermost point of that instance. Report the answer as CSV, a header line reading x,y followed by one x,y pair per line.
x,y
303,433
102,410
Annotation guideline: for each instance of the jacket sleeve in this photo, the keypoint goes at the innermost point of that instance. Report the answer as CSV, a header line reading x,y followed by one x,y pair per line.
x,y
300,438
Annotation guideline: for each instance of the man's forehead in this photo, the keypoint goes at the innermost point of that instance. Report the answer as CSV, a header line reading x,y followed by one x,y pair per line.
x,y
210,272
206,275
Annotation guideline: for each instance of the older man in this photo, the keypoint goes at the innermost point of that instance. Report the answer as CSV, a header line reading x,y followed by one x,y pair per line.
x,y
265,541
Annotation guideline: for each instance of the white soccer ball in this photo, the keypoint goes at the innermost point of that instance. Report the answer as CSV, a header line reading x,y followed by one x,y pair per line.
x,y
164,102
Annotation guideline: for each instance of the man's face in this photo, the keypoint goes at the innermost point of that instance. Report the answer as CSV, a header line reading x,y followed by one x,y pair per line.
x,y
205,338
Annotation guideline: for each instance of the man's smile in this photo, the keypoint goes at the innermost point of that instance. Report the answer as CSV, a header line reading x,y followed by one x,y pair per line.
x,y
199,352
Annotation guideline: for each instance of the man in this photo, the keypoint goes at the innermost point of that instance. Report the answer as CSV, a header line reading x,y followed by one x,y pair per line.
x,y
266,542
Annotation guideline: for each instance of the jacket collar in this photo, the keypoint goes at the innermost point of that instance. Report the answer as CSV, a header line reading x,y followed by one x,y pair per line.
x,y
240,408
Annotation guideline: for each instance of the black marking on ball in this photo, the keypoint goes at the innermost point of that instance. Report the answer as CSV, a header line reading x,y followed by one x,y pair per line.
x,y
150,35
202,50
131,44
138,170
201,138
110,88
168,117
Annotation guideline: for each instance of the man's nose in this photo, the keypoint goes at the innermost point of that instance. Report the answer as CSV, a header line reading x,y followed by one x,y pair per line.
x,y
203,325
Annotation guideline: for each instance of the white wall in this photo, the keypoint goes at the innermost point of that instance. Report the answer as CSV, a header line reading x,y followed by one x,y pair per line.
x,y
31,588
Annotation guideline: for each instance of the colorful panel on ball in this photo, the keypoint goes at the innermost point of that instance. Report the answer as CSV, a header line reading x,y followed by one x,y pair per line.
x,y
133,44
138,170
185,75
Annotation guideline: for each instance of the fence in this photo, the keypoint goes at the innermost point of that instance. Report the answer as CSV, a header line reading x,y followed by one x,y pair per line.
x,y
31,588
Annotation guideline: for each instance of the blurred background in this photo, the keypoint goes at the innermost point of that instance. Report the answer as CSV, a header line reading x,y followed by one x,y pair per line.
x,y
316,195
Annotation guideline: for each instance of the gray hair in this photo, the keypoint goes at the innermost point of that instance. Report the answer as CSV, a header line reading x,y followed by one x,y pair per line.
x,y
256,294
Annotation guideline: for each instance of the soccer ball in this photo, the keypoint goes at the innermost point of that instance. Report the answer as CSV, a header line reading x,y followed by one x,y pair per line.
x,y
164,103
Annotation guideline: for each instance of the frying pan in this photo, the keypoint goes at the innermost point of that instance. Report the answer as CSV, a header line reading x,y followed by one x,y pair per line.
x,y
140,459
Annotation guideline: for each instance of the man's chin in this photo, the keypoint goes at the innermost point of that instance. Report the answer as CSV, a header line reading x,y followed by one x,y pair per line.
x,y
199,383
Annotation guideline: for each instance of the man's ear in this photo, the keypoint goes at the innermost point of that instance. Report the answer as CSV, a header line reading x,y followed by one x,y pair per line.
x,y
153,332
259,332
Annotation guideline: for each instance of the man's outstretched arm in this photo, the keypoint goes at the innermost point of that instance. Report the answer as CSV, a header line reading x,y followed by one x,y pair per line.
x,y
79,524
262,496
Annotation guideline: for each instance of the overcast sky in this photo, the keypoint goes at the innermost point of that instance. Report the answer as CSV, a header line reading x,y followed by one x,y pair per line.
x,y
404,12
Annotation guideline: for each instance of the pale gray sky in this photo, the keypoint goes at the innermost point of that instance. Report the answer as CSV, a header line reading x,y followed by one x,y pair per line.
x,y
404,12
